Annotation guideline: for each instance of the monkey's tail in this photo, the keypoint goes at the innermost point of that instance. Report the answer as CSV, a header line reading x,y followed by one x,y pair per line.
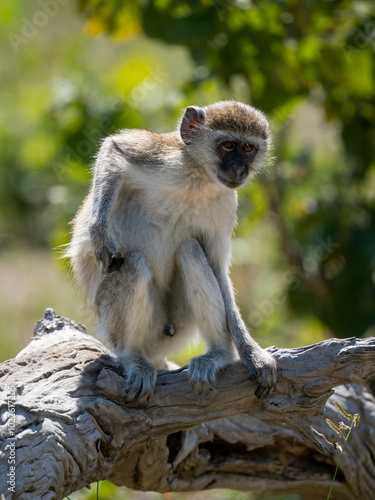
x,y
85,267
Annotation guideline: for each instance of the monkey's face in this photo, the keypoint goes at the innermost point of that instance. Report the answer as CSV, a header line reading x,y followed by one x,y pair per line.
x,y
236,161
229,140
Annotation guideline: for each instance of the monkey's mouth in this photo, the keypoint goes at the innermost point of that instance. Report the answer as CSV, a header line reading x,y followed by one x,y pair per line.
x,y
230,183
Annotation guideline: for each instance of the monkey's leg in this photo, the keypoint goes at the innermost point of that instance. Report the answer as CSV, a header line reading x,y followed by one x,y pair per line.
x,y
128,315
204,299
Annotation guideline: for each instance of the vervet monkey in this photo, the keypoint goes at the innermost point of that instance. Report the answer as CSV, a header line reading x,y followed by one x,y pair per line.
x,y
151,245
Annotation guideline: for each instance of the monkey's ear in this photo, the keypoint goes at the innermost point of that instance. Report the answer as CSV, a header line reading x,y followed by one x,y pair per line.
x,y
191,120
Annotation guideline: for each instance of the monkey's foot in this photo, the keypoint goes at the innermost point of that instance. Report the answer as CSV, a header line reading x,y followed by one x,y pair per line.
x,y
263,369
203,369
140,379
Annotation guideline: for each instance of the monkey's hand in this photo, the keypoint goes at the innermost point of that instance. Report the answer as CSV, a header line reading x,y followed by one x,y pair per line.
x,y
262,367
105,251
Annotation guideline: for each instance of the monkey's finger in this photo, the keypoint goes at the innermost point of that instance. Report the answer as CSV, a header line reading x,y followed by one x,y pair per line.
x,y
137,399
115,253
137,395
114,264
253,372
203,388
267,376
262,391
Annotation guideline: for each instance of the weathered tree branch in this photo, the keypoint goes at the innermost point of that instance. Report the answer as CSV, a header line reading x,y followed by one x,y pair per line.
x,y
64,422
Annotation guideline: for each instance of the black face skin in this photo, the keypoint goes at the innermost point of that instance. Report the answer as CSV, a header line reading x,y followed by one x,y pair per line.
x,y
235,162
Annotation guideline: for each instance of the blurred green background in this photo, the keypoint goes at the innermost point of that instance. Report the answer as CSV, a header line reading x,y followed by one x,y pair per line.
x,y
74,71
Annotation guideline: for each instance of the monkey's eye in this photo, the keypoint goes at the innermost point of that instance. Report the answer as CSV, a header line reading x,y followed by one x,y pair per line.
x,y
228,146
248,148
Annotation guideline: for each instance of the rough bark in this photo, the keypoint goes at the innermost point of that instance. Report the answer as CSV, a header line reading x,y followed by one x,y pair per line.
x,y
63,420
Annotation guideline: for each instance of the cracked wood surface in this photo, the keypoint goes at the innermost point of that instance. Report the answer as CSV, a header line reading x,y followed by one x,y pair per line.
x,y
72,427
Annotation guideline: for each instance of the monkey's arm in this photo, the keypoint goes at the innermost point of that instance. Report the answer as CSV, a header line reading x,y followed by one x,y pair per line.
x,y
107,178
261,364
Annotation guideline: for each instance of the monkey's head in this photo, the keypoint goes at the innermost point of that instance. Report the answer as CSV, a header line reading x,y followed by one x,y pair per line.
x,y
228,139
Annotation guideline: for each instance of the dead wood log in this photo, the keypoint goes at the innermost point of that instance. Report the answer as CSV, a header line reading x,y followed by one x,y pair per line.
x,y
64,425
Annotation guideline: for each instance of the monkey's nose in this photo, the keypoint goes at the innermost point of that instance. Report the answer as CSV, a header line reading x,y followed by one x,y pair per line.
x,y
238,170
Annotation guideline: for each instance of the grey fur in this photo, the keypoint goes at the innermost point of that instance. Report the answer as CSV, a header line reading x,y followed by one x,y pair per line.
x,y
151,246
